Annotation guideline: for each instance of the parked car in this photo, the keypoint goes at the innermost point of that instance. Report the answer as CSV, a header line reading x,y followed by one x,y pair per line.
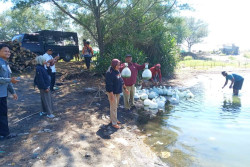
x,y
63,43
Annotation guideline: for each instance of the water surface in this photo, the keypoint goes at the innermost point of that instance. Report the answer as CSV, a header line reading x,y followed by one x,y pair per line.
x,y
210,130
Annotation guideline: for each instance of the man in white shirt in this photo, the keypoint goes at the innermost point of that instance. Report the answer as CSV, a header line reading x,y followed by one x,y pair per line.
x,y
51,64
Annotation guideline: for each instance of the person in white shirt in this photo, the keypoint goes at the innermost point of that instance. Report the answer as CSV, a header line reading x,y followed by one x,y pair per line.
x,y
50,66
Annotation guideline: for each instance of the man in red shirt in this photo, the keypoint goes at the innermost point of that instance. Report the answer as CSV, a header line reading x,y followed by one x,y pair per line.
x,y
156,74
130,82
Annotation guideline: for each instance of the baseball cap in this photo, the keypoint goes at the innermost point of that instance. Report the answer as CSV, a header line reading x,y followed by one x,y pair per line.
x,y
50,49
128,55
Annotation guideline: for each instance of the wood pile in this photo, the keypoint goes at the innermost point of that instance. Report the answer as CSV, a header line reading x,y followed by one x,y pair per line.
x,y
21,59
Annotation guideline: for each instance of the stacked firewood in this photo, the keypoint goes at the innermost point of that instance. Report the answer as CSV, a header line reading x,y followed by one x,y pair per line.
x,y
21,59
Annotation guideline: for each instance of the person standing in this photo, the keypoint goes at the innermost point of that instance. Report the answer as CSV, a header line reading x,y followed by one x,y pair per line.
x,y
236,82
130,82
156,74
42,80
87,52
50,66
114,86
6,82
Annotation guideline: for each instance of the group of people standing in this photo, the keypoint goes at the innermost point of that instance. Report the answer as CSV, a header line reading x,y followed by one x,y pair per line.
x,y
44,79
46,75
115,85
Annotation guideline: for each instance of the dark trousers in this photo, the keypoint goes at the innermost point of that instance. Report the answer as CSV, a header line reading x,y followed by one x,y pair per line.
x,y
4,128
87,61
53,81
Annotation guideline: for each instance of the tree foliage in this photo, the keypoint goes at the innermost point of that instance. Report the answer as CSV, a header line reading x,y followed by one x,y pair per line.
x,y
196,31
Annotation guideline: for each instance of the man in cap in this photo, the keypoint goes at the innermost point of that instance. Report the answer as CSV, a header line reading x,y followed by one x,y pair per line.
x,y
156,74
50,66
130,82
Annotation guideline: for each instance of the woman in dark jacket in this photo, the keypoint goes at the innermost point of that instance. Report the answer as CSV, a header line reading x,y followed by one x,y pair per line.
x,y
42,81
114,85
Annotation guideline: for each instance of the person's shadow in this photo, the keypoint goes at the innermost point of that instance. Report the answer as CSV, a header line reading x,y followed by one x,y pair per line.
x,y
106,131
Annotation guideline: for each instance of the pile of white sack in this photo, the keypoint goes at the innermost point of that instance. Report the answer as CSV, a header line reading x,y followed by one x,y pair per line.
x,y
156,97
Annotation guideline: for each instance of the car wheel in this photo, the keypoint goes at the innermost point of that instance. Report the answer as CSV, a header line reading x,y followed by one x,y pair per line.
x,y
67,57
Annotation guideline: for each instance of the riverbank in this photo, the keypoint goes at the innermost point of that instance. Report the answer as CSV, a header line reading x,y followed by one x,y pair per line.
x,y
80,135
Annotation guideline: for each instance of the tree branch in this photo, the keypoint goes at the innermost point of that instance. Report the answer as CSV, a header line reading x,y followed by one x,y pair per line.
x,y
121,17
152,20
74,18
111,6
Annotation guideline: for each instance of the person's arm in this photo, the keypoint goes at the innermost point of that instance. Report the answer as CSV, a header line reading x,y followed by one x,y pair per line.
x,y
225,83
91,51
232,82
139,67
109,86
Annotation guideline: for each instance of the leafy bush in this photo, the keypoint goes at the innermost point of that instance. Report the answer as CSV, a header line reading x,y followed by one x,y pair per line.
x,y
247,55
188,58
119,51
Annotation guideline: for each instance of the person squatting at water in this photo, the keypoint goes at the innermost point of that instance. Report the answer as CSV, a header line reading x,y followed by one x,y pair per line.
x,y
42,80
130,82
114,86
236,81
6,86
156,74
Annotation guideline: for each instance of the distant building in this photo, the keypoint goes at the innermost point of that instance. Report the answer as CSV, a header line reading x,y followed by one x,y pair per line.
x,y
230,49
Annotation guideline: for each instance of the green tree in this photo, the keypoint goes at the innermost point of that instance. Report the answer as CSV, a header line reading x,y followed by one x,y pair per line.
x,y
104,17
21,21
197,30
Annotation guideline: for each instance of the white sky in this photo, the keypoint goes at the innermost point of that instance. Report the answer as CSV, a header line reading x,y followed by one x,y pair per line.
x,y
228,21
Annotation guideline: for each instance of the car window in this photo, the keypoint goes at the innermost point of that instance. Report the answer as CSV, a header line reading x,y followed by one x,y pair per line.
x,y
31,39
17,38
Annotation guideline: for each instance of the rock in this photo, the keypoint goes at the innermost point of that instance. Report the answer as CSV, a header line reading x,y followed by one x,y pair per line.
x,y
159,143
56,119
47,130
87,155
125,162
34,155
23,134
165,154
149,135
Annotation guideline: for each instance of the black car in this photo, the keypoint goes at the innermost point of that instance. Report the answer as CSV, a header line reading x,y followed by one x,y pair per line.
x,y
63,43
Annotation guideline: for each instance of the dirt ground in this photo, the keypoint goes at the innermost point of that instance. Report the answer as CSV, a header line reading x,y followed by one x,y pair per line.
x,y
80,135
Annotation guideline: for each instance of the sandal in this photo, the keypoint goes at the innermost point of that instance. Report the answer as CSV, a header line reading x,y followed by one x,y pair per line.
x,y
116,126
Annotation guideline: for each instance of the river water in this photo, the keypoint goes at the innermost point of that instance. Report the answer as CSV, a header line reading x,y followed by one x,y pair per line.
x,y
210,130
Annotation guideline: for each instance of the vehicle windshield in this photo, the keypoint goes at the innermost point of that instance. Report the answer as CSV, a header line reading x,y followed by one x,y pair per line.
x,y
31,38
61,40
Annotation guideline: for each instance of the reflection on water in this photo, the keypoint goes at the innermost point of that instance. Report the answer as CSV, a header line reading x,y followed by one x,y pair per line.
x,y
212,129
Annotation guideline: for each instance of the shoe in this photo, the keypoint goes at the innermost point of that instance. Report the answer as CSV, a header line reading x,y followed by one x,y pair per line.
x,y
116,126
42,113
10,136
51,116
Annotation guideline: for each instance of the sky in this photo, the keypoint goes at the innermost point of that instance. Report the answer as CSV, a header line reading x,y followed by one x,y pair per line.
x,y
228,21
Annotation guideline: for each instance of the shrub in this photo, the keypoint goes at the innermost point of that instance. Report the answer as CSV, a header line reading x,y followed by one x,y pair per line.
x,y
188,58
118,51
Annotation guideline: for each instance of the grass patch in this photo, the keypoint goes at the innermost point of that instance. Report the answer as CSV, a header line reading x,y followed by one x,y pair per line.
x,y
206,64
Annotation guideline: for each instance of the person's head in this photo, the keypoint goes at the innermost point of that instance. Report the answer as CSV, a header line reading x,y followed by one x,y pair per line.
x,y
157,66
128,58
224,73
84,41
4,51
40,60
50,51
115,64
